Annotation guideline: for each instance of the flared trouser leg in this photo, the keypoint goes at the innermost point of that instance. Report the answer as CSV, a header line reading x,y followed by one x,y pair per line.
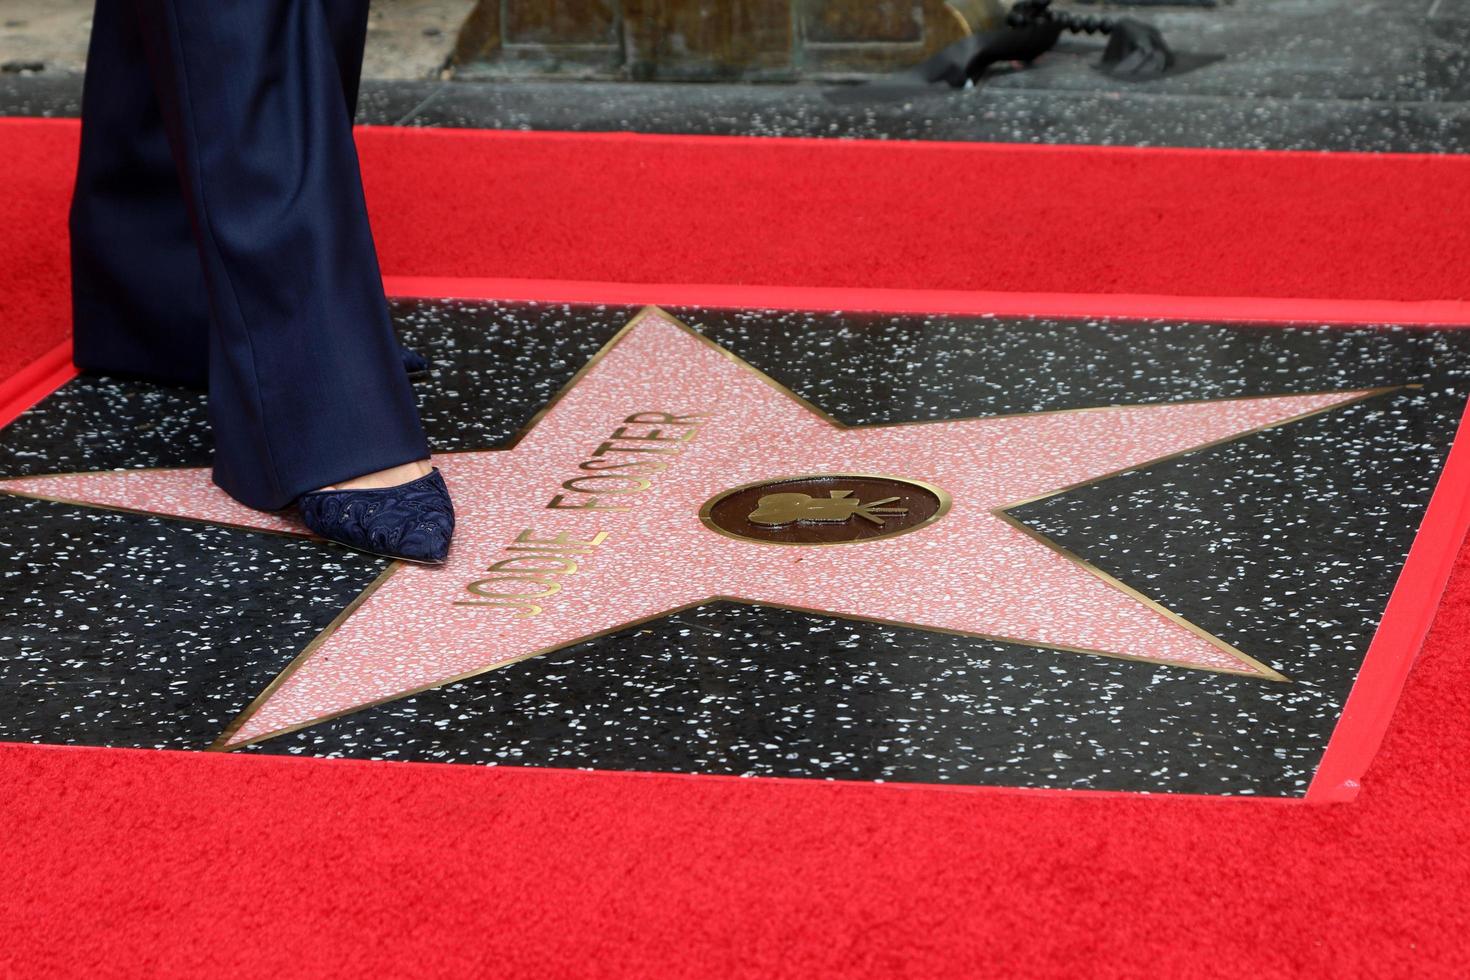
x,y
139,305
252,106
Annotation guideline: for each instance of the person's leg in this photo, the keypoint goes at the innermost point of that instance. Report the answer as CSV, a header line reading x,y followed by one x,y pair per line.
x,y
138,300
306,384
347,23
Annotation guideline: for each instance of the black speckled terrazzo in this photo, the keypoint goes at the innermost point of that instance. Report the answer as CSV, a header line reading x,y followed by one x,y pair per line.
x,y
940,367
121,629
105,423
741,690
1285,543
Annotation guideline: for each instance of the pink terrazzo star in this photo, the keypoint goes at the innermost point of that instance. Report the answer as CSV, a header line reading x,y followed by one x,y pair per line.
x,y
715,423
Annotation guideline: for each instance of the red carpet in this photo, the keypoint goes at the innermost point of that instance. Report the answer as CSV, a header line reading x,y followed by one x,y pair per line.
x,y
122,862
668,209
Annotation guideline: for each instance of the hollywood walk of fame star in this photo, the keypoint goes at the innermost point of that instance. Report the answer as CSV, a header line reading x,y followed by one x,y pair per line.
x,y
591,523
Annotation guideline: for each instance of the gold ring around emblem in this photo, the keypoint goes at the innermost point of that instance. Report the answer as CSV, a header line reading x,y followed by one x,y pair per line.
x,y
942,499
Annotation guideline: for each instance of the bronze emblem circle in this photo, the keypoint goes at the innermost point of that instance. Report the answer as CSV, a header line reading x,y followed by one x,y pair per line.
x,y
824,509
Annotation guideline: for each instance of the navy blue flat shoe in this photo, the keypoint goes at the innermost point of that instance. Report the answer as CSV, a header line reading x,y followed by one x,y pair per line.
x,y
413,362
412,521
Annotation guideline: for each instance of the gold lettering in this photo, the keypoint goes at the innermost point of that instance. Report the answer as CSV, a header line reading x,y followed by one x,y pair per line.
x,y
662,418
536,559
657,435
562,540
608,447
636,466
639,484
528,609
545,588
562,566
592,503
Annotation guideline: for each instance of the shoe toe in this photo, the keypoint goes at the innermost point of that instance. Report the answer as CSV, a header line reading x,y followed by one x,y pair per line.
x,y
414,521
428,538
413,361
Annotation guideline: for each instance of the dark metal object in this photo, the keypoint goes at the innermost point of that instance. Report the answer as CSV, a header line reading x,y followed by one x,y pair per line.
x,y
968,58
1135,49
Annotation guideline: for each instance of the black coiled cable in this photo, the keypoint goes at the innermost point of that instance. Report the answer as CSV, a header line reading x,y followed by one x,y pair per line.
x,y
1031,13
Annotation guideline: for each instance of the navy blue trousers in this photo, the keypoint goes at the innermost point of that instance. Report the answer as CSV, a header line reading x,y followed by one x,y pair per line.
x,y
220,237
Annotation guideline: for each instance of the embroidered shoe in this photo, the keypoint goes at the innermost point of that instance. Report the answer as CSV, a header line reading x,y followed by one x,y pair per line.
x,y
412,521
414,363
